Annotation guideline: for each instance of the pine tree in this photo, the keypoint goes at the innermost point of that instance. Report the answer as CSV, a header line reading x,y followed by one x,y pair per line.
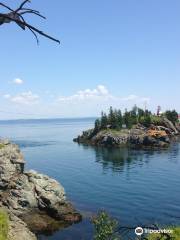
x,y
127,119
104,121
133,114
172,116
97,126
120,119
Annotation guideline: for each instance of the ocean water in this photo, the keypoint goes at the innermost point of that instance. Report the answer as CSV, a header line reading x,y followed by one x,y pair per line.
x,y
138,187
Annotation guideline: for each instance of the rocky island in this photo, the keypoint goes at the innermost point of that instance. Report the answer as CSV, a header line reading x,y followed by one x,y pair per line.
x,y
136,128
34,202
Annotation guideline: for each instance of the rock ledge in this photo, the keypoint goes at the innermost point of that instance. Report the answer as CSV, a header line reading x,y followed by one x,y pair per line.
x,y
31,198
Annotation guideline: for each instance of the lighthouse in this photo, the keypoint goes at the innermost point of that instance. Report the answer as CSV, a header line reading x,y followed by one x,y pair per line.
x,y
159,111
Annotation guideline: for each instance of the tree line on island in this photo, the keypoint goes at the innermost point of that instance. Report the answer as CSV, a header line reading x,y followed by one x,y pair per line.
x,y
117,120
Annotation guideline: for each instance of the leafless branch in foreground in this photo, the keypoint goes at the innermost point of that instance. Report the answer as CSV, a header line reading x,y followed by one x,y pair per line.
x,y
17,16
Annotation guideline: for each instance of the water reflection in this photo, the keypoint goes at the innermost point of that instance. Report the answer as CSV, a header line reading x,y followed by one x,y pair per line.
x,y
116,159
119,159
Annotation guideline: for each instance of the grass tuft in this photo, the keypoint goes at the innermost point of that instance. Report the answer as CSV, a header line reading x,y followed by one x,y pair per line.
x,y
3,225
2,145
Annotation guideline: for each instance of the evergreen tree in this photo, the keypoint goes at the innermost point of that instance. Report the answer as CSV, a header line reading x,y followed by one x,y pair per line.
x,y
147,120
115,123
172,116
115,119
97,126
120,119
112,121
134,116
104,121
141,114
127,119
110,116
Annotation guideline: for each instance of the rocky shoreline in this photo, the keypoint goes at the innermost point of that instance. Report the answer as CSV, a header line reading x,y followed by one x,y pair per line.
x,y
35,202
139,136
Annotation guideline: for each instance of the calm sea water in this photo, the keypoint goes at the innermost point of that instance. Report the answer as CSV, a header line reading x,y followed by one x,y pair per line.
x,y
136,187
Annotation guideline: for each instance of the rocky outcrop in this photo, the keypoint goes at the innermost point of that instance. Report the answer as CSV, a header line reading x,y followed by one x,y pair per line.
x,y
177,125
31,193
138,136
11,162
149,138
168,124
18,230
105,138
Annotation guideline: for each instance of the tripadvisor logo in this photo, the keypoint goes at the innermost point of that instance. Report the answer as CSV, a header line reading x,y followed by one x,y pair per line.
x,y
139,231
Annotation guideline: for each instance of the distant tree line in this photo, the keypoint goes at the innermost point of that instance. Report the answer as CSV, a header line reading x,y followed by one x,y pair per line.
x,y
115,119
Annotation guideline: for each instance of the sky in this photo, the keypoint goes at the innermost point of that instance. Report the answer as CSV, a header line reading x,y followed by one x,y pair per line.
x,y
112,53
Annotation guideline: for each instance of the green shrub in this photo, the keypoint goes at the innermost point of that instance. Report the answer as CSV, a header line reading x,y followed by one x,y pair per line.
x,y
156,120
105,227
3,225
174,236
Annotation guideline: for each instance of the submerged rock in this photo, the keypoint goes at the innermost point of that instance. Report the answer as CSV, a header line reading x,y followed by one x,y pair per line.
x,y
31,193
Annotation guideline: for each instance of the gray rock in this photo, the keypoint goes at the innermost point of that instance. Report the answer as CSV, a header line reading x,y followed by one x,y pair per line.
x,y
139,136
18,230
11,163
28,192
177,125
169,125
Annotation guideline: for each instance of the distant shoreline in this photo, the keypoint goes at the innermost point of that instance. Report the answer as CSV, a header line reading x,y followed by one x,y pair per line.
x,y
46,119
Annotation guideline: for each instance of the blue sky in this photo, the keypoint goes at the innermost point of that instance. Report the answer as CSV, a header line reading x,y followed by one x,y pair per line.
x,y
114,52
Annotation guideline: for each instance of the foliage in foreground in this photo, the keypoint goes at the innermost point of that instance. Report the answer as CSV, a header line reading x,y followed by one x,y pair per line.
x,y
105,227
174,236
3,225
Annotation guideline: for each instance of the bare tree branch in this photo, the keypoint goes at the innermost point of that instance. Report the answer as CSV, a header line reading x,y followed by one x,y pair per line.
x,y
22,4
33,12
17,17
10,9
35,35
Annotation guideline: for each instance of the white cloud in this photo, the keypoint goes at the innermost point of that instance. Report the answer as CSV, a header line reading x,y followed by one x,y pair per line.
x,y
18,81
90,102
130,98
27,98
83,103
7,96
99,94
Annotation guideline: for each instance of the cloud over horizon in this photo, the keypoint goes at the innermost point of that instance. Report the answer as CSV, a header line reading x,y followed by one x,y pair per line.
x,y
24,98
90,102
101,93
83,103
